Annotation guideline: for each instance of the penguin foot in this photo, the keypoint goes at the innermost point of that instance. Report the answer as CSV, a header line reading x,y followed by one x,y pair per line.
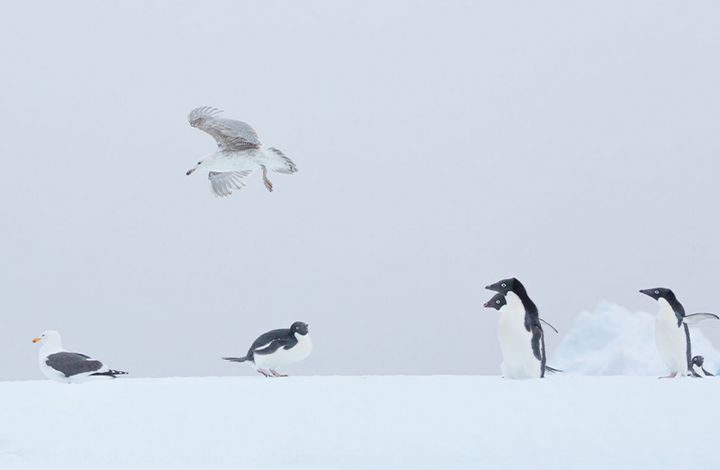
x,y
264,373
276,373
671,376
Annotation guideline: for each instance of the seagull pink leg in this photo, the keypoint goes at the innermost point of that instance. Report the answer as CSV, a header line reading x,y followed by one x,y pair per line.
x,y
267,182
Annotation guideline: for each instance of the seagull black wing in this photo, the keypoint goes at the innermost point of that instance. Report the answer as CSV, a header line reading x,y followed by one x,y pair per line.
x,y
72,363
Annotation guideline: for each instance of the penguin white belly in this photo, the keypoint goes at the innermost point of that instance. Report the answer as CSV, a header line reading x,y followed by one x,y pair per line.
x,y
283,357
519,362
671,341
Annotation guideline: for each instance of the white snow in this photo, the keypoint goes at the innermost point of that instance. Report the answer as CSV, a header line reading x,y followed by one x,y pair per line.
x,y
391,422
612,340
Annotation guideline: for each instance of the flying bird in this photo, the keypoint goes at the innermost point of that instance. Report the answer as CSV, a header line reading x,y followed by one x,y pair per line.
x,y
68,367
239,153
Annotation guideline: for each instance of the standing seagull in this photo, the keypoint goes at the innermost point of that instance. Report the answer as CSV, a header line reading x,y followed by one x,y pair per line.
x,y
239,152
68,367
672,336
278,348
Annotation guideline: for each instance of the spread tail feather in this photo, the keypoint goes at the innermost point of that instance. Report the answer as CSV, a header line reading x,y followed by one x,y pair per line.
x,y
236,359
279,162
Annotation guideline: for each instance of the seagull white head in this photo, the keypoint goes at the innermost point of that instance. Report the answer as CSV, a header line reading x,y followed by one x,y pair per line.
x,y
198,165
50,338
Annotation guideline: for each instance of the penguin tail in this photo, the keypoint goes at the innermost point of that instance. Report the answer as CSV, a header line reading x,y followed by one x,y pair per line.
x,y
236,359
552,370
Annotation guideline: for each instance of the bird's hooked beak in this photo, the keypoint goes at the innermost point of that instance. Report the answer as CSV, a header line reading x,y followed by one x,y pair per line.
x,y
36,340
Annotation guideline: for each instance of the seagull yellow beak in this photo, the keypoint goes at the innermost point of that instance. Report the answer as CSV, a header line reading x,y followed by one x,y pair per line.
x,y
36,340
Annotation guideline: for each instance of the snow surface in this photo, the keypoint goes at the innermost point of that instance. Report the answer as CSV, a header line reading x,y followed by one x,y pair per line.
x,y
612,340
391,422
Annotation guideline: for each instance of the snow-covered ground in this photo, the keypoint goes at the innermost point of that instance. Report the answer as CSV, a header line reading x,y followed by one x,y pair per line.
x,y
391,422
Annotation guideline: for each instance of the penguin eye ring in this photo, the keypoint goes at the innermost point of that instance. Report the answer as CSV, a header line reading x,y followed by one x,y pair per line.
x,y
657,291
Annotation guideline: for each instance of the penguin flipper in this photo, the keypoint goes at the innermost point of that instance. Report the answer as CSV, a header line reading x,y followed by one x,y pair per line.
x,y
695,318
548,324
537,343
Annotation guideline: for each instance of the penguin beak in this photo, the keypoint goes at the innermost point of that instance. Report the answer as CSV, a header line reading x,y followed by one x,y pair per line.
x,y
647,292
494,287
487,304
36,340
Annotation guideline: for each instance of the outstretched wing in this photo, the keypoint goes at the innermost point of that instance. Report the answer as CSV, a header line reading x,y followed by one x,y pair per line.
x,y
72,363
695,318
229,134
223,183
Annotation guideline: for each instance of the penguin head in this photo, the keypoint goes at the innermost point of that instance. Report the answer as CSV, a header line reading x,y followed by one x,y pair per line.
x,y
658,293
698,361
504,286
299,328
497,302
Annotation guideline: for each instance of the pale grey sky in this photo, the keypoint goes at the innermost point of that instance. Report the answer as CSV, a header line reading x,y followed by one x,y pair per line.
x,y
441,146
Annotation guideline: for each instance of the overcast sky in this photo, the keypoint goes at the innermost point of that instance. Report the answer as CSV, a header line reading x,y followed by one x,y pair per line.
x,y
441,146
